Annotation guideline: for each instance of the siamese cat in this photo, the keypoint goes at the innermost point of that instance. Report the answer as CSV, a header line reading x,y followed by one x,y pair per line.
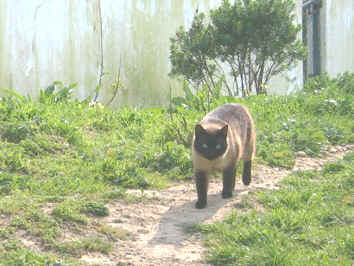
x,y
222,138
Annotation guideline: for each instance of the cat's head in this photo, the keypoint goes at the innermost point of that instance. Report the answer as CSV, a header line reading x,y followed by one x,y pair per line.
x,y
211,143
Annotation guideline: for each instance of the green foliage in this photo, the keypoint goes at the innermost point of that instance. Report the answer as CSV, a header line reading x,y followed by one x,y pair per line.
x,y
62,161
13,159
182,113
349,157
95,208
78,248
56,93
69,213
192,52
37,224
180,127
201,100
307,222
12,253
254,39
14,132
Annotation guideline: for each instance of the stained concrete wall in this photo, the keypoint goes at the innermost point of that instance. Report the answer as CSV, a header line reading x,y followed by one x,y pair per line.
x,y
292,80
336,44
46,40
337,36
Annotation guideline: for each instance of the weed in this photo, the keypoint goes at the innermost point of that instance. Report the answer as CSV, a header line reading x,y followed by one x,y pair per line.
x,y
245,203
68,213
78,248
95,208
191,228
113,233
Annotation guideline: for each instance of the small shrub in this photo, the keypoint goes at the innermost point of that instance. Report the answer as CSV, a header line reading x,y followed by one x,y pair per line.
x,y
95,208
245,37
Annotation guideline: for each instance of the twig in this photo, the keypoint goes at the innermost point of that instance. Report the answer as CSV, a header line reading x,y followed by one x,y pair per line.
x,y
117,81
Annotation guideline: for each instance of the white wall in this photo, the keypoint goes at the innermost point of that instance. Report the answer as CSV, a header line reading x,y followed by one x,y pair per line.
x,y
292,80
337,36
46,40
336,44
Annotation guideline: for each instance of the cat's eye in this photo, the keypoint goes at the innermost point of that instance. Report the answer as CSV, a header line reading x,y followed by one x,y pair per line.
x,y
218,146
205,146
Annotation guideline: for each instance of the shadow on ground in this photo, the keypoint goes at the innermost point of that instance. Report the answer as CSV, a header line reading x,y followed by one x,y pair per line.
x,y
174,222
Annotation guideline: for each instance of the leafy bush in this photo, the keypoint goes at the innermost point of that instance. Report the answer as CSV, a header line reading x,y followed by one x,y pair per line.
x,y
254,40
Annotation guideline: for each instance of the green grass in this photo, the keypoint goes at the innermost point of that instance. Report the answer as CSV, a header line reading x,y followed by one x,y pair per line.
x,y
13,253
308,221
78,248
63,161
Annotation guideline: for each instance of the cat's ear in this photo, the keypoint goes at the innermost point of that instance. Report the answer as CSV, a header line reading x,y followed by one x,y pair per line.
x,y
224,130
199,130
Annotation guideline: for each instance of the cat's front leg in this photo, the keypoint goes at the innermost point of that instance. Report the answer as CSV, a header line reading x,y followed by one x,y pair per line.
x,y
202,182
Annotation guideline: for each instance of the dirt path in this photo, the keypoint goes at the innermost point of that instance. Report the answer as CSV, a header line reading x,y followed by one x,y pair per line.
x,y
157,224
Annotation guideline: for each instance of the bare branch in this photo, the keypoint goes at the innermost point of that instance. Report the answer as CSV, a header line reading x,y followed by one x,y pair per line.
x,y
118,82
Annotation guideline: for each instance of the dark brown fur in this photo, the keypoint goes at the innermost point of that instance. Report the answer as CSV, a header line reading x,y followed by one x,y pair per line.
x,y
223,137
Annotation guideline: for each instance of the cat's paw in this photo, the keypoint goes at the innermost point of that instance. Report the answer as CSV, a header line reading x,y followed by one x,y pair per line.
x,y
246,179
200,204
226,194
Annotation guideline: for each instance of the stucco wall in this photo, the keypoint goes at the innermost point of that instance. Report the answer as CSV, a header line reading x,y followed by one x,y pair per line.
x,y
46,40
338,36
291,80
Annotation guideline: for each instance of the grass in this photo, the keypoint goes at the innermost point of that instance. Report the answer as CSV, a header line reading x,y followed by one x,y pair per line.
x,y
79,248
63,161
308,221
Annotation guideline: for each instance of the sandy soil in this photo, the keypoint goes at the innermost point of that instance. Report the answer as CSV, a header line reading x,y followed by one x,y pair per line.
x,y
157,224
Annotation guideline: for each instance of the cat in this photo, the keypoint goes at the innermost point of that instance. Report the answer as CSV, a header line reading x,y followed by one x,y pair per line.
x,y
222,138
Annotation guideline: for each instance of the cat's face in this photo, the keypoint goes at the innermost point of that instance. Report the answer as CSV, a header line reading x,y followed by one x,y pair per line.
x,y
210,144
